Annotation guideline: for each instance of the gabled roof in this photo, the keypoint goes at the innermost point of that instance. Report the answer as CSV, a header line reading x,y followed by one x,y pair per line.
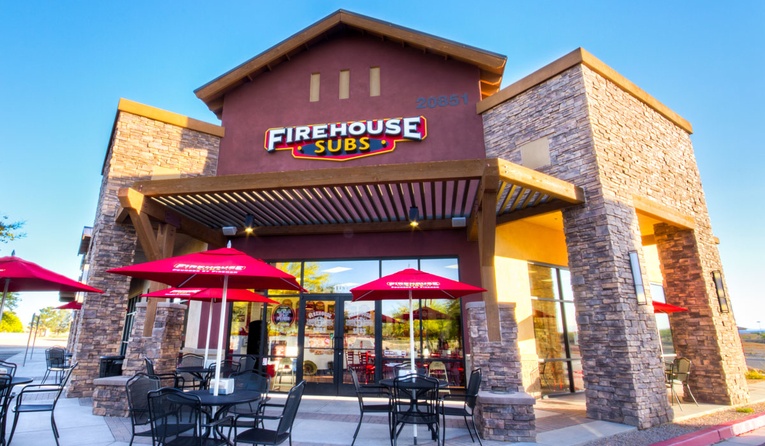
x,y
492,65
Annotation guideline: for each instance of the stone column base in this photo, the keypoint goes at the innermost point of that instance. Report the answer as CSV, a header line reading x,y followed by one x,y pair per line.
x,y
110,396
506,417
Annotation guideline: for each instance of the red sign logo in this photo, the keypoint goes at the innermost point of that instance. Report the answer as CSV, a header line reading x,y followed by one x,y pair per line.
x,y
343,141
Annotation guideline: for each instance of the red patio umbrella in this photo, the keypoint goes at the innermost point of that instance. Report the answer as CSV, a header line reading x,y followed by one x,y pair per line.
x,y
211,295
661,307
73,305
18,274
412,284
219,268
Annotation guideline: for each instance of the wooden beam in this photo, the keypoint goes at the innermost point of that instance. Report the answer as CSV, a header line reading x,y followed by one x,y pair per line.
x,y
663,213
400,226
132,199
487,230
165,241
438,170
537,181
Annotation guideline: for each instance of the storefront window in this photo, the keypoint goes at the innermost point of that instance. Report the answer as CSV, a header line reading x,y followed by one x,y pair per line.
x,y
662,323
555,330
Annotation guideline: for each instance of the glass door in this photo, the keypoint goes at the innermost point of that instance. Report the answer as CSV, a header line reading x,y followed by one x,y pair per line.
x,y
337,335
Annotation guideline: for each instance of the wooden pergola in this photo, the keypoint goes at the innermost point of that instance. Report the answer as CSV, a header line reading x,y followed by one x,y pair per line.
x,y
483,192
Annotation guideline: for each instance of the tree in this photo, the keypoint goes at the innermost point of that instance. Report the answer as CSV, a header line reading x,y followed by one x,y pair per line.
x,y
9,231
11,323
57,321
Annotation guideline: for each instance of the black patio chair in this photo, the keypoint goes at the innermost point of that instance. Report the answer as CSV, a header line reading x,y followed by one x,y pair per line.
x,y
189,380
414,400
8,368
6,395
137,389
40,398
250,380
227,368
176,419
166,379
283,432
55,361
466,408
363,393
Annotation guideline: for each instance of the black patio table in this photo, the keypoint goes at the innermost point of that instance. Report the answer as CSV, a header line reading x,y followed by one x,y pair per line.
x,y
219,404
197,371
17,380
416,386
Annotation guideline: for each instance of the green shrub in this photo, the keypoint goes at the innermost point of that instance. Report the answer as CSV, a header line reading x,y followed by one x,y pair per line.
x,y
11,323
754,374
744,410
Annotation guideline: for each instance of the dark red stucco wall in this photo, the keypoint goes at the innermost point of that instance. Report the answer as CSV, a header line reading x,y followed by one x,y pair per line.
x,y
280,98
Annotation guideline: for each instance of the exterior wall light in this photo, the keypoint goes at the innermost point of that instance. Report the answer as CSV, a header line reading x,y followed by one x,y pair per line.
x,y
722,298
637,278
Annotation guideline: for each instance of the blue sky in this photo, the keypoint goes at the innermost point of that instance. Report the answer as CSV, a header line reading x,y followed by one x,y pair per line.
x,y
64,66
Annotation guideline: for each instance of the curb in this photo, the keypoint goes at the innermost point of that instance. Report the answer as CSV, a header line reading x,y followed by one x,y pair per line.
x,y
715,434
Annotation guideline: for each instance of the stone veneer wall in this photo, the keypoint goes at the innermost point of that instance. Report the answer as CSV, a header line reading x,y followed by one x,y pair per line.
x,y
614,146
504,411
139,145
163,345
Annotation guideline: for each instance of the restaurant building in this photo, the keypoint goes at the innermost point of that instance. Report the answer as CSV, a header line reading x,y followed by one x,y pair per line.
x,y
572,196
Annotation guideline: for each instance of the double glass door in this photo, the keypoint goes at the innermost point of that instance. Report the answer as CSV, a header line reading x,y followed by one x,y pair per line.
x,y
336,335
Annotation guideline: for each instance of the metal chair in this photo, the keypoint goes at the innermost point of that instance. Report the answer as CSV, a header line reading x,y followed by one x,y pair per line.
x,y
137,389
283,432
55,360
169,379
680,372
285,368
32,399
467,408
251,380
363,392
176,420
414,400
189,380
8,368
6,395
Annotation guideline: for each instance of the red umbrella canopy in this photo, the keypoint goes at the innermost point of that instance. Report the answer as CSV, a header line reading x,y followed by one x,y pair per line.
x,y
211,294
661,307
207,269
21,275
427,313
422,285
73,305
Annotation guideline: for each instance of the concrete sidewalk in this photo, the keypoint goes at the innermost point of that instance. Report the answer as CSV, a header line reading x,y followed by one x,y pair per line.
x,y
329,421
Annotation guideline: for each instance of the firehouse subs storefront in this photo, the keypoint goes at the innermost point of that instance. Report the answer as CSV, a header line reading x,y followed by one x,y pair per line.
x,y
357,148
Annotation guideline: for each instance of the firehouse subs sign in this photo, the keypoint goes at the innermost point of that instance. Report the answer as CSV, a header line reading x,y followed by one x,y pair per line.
x,y
343,141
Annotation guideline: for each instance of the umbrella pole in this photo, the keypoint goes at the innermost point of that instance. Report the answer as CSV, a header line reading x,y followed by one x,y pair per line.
x,y
412,366
220,335
5,293
209,328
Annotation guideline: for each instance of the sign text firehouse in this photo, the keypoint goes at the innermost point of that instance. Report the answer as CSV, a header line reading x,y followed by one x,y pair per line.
x,y
342,141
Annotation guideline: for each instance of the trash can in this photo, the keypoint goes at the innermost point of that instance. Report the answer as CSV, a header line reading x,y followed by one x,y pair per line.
x,y
110,366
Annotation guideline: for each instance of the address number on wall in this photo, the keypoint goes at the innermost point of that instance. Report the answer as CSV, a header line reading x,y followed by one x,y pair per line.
x,y
452,100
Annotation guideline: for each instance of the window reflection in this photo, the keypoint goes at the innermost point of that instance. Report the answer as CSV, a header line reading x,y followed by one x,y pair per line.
x,y
555,330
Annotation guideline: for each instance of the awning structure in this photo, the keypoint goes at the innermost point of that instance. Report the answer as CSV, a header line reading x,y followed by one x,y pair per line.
x,y
361,199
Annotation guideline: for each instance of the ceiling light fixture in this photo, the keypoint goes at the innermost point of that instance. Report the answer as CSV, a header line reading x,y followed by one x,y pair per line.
x,y
249,224
414,216
229,231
